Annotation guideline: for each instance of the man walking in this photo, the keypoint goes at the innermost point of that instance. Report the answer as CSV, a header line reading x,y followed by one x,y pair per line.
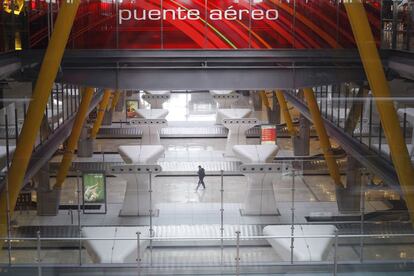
x,y
201,174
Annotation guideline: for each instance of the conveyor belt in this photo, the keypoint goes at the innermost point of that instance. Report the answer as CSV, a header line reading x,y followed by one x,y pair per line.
x,y
10,132
169,168
71,231
188,167
184,132
174,132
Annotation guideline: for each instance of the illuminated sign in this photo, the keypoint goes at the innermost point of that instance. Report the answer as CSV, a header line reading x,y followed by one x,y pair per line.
x,y
268,134
192,14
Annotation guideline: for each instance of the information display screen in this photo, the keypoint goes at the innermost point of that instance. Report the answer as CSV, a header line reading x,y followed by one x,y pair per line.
x,y
268,135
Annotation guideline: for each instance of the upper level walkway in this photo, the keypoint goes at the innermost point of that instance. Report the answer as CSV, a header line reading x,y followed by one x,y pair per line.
x,y
207,69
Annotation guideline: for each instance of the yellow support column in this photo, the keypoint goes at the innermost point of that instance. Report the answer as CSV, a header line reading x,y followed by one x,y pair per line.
x,y
101,112
115,100
265,100
44,83
381,92
323,136
74,137
285,111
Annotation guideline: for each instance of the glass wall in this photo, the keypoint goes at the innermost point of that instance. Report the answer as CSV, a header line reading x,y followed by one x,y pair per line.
x,y
167,24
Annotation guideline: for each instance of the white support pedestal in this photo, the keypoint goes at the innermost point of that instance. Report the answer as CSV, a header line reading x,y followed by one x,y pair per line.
x,y
304,249
224,98
137,194
150,130
410,118
236,113
156,98
237,132
152,113
260,199
115,251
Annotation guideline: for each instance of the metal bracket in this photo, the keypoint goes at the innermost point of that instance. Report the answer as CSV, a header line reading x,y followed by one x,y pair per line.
x,y
134,169
266,168
156,97
226,97
241,121
148,122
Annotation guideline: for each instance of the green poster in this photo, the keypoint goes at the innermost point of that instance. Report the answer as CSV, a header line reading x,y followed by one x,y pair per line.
x,y
94,188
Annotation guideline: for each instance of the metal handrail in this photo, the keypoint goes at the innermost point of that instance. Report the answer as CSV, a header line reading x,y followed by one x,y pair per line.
x,y
384,235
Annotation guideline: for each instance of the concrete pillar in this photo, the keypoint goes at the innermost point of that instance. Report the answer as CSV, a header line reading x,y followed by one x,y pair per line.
x,y
47,198
85,144
107,119
257,101
301,142
274,114
349,198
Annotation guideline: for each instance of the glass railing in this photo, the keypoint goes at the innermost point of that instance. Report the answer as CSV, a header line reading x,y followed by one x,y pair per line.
x,y
235,252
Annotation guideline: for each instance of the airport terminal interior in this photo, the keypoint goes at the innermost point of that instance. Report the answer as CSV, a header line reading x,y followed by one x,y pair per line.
x,y
217,137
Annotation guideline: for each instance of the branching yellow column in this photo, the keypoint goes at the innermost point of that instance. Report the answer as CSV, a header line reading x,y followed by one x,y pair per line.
x,y
44,83
286,115
265,100
101,112
323,136
115,100
74,137
381,92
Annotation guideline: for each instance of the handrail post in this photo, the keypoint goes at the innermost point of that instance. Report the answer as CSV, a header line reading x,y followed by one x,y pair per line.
x,y
237,253
138,254
78,191
222,215
335,260
151,230
292,227
39,258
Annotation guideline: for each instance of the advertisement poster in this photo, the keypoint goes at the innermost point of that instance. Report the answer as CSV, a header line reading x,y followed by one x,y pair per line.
x,y
268,135
94,192
131,109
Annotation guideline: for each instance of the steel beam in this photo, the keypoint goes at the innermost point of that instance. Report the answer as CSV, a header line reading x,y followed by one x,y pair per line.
x,y
385,105
210,78
41,93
